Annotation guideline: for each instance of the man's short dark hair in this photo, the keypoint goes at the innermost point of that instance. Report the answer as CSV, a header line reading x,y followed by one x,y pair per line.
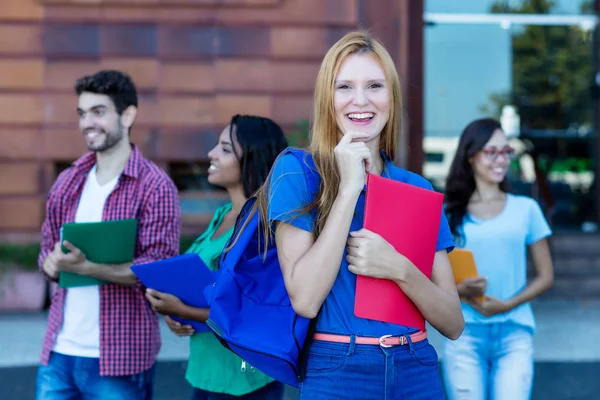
x,y
115,84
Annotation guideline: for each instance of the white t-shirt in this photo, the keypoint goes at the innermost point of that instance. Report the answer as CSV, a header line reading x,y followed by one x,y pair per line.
x,y
80,332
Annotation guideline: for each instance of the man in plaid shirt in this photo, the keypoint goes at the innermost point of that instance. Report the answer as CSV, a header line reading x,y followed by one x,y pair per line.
x,y
102,341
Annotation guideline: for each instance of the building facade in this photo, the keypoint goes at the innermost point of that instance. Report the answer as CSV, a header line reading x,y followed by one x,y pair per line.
x,y
195,62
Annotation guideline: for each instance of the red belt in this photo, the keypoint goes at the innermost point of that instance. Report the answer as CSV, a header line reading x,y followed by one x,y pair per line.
x,y
384,341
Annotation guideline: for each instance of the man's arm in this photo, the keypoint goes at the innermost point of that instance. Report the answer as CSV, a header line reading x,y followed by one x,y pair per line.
x,y
50,235
75,261
158,237
120,273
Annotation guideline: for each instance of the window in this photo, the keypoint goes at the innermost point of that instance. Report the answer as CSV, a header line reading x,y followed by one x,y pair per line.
x,y
191,177
484,55
434,157
60,166
199,199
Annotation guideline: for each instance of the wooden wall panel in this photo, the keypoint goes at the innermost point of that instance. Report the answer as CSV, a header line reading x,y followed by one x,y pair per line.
x,y
60,75
61,109
193,111
149,111
190,76
128,40
19,178
186,144
21,74
294,76
241,75
144,70
299,42
17,108
21,10
291,109
19,143
228,105
64,144
71,40
18,40
21,213
172,3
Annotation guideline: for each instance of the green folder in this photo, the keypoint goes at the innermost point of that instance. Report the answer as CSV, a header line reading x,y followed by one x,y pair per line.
x,y
106,242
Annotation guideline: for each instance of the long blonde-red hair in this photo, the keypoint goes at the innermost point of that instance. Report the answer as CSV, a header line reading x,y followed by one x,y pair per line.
x,y
325,132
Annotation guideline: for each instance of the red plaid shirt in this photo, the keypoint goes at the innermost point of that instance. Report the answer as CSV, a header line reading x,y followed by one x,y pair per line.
x,y
129,330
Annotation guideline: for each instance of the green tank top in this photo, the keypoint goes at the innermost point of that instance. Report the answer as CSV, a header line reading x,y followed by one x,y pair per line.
x,y
211,366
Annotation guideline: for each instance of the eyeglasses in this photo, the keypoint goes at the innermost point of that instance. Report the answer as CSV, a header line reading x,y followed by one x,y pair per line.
x,y
492,153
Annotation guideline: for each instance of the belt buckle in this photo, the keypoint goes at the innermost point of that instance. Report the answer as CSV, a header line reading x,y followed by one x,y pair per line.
x,y
382,341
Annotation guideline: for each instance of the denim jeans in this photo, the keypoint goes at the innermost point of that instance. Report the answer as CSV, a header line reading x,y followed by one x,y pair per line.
x,y
273,391
489,361
370,372
78,378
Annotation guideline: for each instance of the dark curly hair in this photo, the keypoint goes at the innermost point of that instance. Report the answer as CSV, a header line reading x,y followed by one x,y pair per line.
x,y
117,85
460,183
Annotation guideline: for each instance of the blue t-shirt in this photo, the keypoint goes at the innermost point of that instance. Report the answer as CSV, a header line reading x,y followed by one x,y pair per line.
x,y
289,194
499,246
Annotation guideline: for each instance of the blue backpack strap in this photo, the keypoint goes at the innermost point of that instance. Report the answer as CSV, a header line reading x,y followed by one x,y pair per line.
x,y
231,257
243,253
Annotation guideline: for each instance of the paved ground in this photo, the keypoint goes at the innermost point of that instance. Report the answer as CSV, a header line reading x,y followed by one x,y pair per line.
x,y
567,353
554,381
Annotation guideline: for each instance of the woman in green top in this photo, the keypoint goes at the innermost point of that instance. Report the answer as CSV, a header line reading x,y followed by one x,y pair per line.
x,y
240,163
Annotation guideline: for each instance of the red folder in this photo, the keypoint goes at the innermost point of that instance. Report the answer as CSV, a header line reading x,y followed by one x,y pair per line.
x,y
408,217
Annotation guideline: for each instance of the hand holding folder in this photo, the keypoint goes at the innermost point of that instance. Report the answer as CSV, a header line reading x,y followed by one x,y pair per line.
x,y
106,242
184,276
407,217
463,267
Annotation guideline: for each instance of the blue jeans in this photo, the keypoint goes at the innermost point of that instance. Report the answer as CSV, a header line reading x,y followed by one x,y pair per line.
x,y
78,378
273,391
489,361
369,372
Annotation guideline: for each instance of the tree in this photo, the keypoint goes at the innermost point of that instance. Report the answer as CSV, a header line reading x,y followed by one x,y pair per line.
x,y
552,73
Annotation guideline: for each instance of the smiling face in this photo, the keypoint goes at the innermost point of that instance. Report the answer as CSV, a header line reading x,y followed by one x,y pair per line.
x,y
224,167
490,164
361,99
99,122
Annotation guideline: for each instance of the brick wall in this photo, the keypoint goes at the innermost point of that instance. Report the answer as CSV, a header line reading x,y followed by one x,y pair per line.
x,y
195,62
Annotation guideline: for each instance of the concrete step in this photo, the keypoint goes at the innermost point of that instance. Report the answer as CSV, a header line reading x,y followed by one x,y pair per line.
x,y
576,265
575,243
576,259
574,288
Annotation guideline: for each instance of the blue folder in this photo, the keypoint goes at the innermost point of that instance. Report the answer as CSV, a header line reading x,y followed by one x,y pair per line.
x,y
184,276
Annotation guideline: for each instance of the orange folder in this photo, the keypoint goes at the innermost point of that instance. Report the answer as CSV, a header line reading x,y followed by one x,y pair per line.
x,y
408,217
463,266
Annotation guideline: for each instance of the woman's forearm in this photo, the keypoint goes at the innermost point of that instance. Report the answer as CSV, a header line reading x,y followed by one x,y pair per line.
x,y
194,313
539,285
314,274
439,307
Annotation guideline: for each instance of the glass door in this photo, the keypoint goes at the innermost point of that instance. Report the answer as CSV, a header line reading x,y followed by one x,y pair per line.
x,y
531,65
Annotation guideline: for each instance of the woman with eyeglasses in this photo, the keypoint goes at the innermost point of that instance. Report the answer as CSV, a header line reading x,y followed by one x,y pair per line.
x,y
493,358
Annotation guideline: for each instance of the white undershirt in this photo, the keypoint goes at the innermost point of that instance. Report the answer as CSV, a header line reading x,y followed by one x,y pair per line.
x,y
80,332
